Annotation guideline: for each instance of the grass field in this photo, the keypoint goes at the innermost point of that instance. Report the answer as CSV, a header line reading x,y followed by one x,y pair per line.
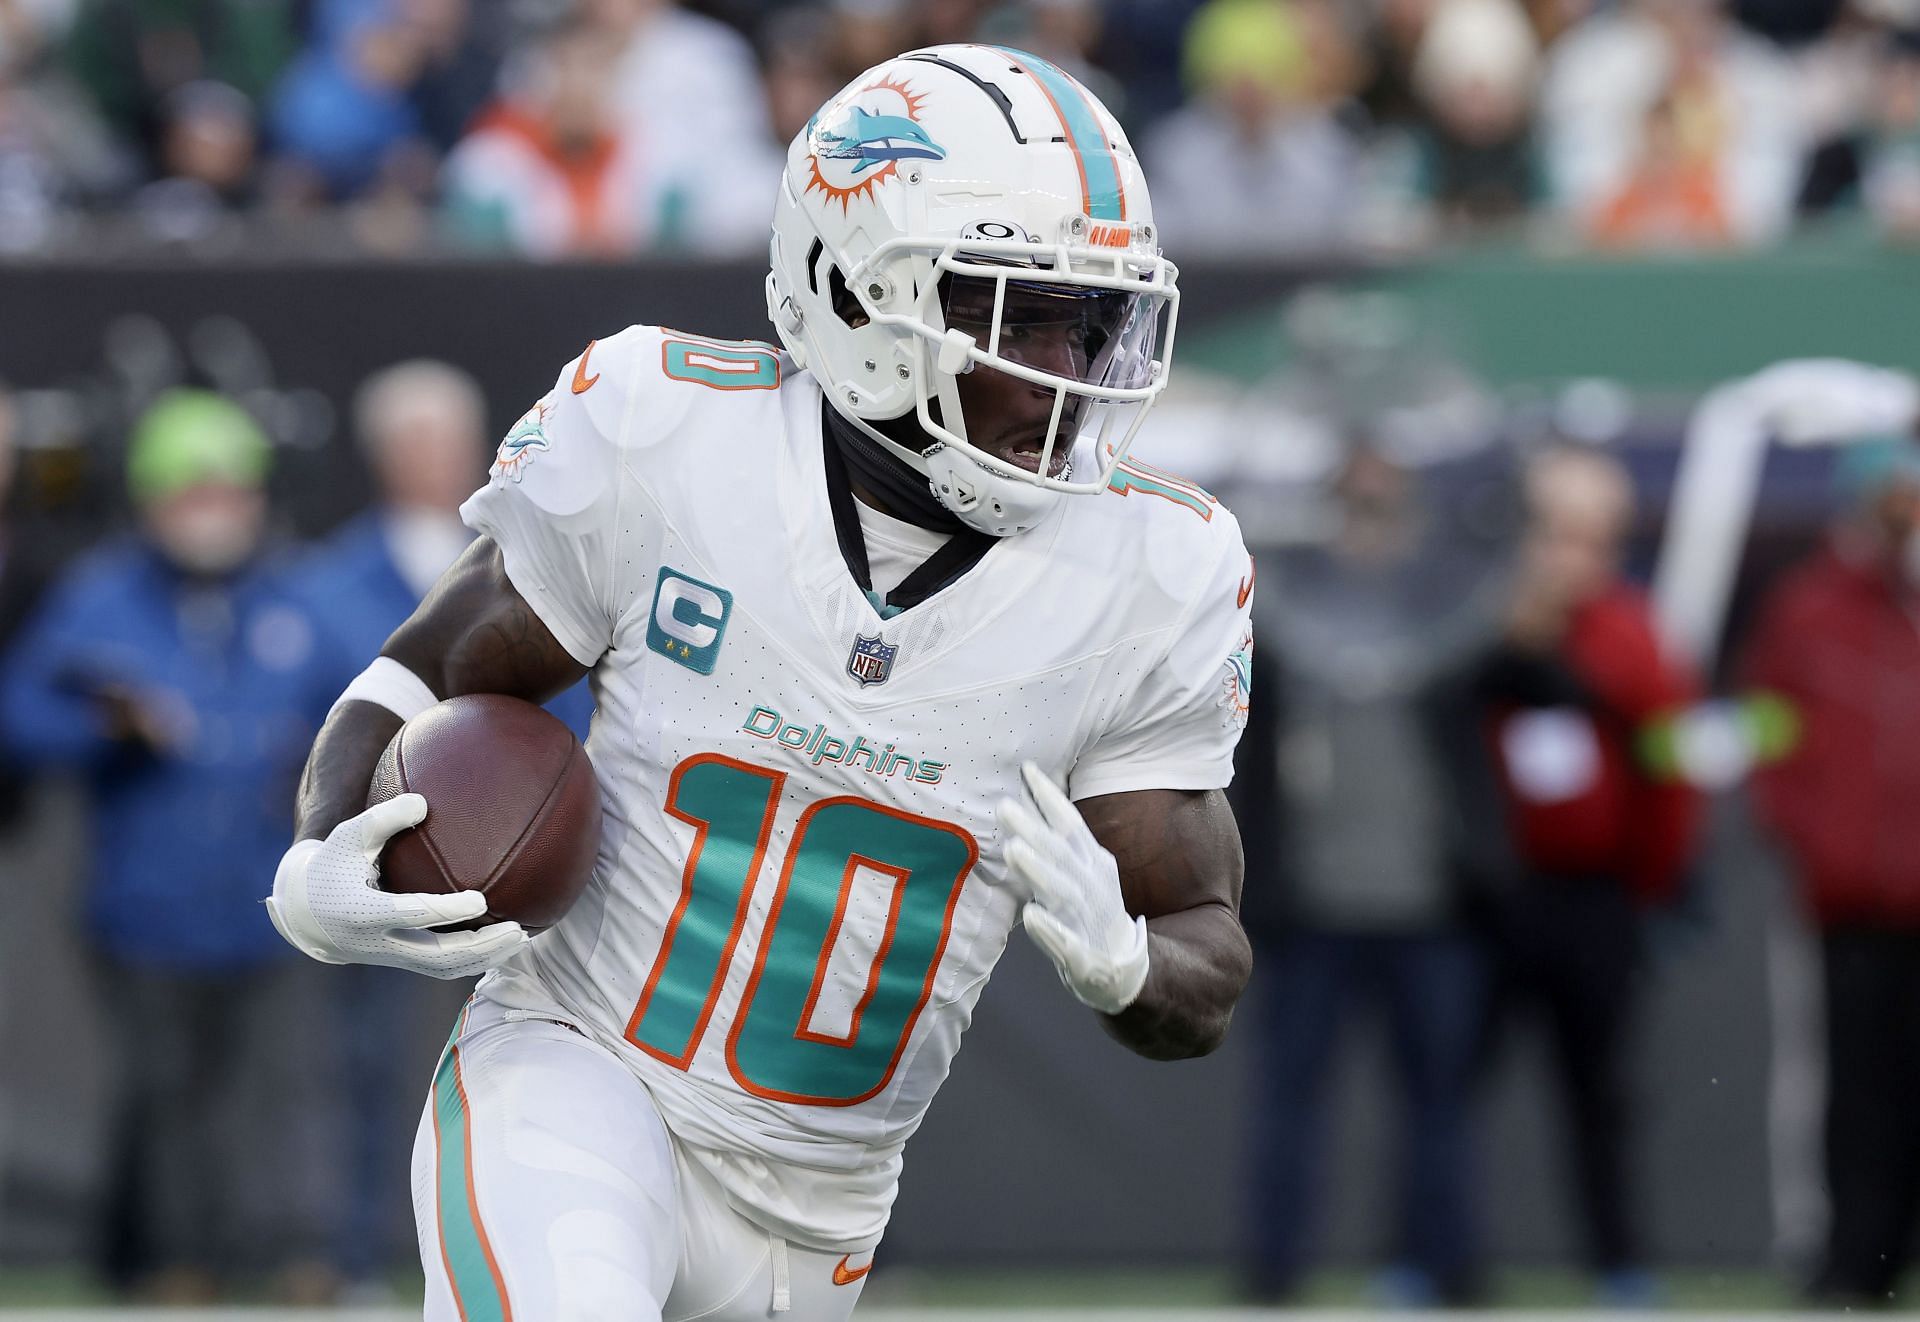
x,y
906,1294
936,1315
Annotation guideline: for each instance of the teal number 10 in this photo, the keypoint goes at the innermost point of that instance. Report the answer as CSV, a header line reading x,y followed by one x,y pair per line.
x,y
772,1051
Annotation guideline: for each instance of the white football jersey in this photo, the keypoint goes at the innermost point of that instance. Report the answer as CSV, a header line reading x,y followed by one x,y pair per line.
x,y
801,887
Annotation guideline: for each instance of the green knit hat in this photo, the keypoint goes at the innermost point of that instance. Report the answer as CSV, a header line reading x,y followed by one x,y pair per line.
x,y
1260,40
192,436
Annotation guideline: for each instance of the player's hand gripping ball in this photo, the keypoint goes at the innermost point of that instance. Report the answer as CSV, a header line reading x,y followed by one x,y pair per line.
x,y
513,811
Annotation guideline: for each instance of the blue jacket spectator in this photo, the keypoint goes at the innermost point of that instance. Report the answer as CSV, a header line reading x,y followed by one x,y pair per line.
x,y
343,103
422,428
181,673
380,75
359,594
354,572
188,700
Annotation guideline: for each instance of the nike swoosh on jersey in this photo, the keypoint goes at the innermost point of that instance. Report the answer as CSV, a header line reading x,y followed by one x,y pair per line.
x,y
582,383
1246,588
841,1276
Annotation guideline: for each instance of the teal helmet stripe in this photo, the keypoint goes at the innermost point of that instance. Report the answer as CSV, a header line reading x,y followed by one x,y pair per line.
x,y
1105,197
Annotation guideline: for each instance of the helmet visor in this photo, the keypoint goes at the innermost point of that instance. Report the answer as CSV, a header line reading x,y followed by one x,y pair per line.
x,y
1078,334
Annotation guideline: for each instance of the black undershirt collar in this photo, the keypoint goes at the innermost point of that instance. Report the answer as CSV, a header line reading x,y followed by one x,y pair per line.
x,y
963,548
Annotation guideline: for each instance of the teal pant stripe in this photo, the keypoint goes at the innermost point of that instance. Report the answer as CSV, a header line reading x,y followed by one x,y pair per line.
x,y
477,1290
1105,199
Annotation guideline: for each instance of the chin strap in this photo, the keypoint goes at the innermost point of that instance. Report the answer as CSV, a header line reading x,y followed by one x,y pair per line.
x,y
906,492
962,551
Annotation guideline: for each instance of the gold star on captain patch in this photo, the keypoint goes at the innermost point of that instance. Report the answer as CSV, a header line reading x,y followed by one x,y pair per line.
x,y
685,650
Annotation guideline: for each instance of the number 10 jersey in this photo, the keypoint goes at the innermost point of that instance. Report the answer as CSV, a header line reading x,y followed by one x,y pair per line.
x,y
801,890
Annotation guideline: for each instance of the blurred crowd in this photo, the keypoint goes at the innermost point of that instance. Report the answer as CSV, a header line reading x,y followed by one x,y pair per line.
x,y
1451,819
602,128
1473,795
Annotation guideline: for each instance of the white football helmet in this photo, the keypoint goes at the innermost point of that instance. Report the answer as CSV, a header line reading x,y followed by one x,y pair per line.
x,y
925,204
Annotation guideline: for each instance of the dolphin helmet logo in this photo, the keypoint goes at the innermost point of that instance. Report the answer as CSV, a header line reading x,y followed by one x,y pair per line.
x,y
869,139
856,144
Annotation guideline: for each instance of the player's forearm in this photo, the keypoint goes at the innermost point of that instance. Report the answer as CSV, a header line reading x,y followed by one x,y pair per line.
x,y
334,785
1199,962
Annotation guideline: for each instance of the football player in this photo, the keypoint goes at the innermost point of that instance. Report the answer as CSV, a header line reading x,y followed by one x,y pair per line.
x,y
893,648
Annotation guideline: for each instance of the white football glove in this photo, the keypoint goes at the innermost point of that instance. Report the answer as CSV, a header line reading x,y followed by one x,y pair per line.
x,y
1074,911
328,904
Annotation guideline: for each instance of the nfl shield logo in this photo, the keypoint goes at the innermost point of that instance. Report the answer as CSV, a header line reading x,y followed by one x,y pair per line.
x,y
871,660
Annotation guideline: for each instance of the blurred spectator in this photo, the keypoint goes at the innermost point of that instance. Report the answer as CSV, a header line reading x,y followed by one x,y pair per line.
x,y
1259,161
1662,117
28,27
1062,32
206,164
944,21
53,152
1673,197
1309,124
1550,18
178,672
551,171
23,576
1140,43
1891,155
800,57
1793,22
342,105
1836,640
1836,78
132,54
380,79
1474,74
688,94
32,187
868,32
422,428
589,156
1350,898
1577,834
1390,45
457,47
1067,33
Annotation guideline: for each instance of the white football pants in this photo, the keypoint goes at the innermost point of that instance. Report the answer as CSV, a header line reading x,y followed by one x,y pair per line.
x,y
546,1188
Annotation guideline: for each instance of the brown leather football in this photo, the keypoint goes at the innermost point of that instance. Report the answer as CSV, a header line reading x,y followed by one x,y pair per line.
x,y
512,808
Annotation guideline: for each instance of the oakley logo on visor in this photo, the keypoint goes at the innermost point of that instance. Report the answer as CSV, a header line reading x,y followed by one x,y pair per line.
x,y
995,229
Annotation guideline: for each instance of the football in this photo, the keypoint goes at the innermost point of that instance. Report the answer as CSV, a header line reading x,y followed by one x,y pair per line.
x,y
513,810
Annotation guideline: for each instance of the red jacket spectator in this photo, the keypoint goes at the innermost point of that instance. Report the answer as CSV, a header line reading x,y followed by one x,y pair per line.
x,y
1840,640
1578,796
1569,704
